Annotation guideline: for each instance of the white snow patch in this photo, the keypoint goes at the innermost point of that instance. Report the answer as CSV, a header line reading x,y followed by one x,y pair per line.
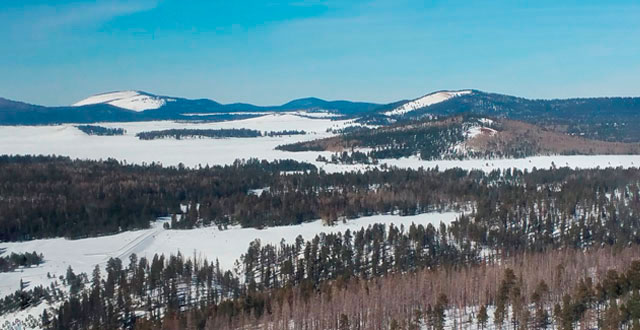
x,y
258,191
479,130
425,101
130,100
486,121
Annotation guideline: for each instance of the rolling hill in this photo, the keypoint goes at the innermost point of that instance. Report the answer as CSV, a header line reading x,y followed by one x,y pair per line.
x,y
605,118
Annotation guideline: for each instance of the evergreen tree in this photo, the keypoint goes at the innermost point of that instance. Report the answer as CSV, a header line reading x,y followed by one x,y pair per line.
x,y
343,324
483,317
612,316
439,311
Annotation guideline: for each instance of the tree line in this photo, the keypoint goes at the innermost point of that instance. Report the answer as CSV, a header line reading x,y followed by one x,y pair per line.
x,y
100,130
183,133
53,196
512,209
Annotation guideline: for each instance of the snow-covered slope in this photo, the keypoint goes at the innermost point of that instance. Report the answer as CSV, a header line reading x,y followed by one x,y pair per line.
x,y
426,101
211,243
130,100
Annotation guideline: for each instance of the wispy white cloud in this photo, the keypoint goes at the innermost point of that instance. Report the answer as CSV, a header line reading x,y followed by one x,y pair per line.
x,y
42,20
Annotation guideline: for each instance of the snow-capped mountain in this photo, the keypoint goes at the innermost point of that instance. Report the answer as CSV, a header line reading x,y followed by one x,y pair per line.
x,y
127,106
130,100
426,101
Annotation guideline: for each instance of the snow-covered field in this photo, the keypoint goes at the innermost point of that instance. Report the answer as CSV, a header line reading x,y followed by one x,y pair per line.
x,y
67,140
210,242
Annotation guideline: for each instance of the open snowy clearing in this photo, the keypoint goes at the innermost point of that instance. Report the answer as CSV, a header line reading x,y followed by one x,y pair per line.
x,y
210,242
67,140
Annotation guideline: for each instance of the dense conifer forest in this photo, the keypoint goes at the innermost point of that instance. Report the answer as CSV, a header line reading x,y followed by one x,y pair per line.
x,y
513,219
52,197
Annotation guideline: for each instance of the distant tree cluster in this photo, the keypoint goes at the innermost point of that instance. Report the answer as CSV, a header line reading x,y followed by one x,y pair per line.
x,y
348,129
349,158
199,133
99,130
15,260
285,133
213,133
23,299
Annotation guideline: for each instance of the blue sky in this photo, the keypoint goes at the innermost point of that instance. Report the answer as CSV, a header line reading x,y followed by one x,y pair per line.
x,y
269,52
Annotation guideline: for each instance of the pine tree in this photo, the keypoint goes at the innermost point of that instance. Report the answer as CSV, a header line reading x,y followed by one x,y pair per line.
x,y
612,316
439,311
500,313
45,318
541,318
483,317
557,314
567,316
343,324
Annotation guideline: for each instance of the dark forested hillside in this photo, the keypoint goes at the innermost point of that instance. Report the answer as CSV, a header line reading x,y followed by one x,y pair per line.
x,y
457,137
428,139
606,118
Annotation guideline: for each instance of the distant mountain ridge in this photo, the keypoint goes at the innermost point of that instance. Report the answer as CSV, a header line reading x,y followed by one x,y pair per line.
x,y
123,106
600,118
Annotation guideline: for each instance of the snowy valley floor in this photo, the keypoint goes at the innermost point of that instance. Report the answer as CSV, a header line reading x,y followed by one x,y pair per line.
x,y
227,245
67,140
